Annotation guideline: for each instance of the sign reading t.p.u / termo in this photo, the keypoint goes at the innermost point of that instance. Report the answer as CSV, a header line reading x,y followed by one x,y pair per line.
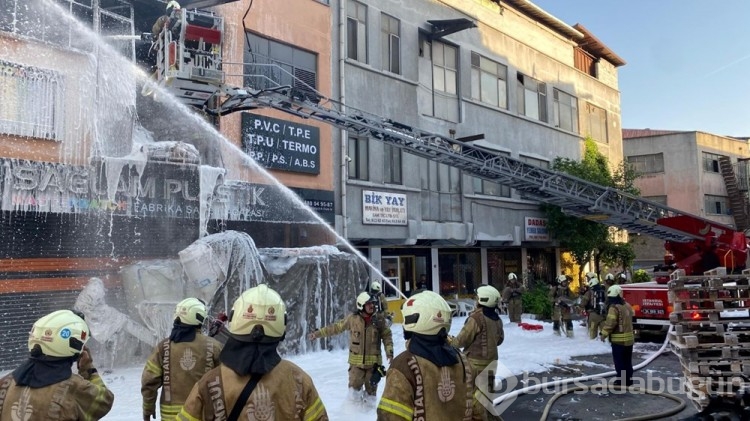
x,y
280,144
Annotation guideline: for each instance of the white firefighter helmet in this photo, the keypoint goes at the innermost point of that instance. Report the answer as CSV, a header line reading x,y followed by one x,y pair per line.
x,y
488,296
258,306
512,276
375,286
426,313
614,291
59,334
562,278
592,279
190,311
364,298
173,5
609,277
623,277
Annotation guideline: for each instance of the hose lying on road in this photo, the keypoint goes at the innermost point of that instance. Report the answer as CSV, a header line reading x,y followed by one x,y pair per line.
x,y
577,380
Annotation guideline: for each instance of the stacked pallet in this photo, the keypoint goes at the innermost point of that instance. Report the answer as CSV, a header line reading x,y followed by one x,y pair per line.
x,y
711,334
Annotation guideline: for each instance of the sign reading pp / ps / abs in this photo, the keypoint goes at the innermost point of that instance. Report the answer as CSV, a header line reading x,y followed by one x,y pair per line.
x,y
280,144
536,229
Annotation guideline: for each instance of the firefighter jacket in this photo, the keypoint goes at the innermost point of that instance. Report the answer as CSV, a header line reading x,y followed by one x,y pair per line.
x,y
619,324
284,393
175,368
562,297
512,292
73,399
382,304
417,389
365,336
593,300
480,337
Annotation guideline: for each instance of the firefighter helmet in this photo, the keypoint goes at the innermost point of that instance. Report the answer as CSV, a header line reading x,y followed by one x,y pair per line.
x,y
375,286
592,279
173,5
426,313
488,296
623,277
609,277
258,306
512,276
562,278
190,311
614,291
364,298
59,334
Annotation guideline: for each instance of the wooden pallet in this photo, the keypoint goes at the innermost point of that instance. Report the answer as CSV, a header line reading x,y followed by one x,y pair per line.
x,y
715,368
706,328
698,396
710,339
709,316
724,353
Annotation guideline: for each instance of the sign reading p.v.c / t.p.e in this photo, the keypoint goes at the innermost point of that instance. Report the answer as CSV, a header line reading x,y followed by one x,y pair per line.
x,y
281,144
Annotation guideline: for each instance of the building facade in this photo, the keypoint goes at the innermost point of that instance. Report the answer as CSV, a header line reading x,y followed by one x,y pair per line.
x,y
530,86
683,170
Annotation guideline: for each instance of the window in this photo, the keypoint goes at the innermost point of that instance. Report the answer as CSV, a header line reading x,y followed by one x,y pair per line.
x,y
271,64
566,111
358,158
391,43
444,68
662,200
716,205
647,164
392,161
441,192
543,163
356,31
711,162
489,81
532,97
584,61
490,188
32,104
597,123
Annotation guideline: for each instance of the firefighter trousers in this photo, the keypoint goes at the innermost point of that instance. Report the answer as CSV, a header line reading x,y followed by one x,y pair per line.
x,y
595,321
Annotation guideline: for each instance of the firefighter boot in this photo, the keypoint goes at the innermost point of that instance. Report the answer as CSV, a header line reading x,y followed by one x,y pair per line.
x,y
569,328
556,327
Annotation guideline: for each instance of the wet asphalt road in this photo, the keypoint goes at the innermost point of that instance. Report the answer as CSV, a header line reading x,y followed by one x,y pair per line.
x,y
605,406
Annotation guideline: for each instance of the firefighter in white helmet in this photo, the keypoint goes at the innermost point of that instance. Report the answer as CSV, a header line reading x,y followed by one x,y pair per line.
x,y
483,331
253,380
46,379
376,291
368,334
563,301
430,380
618,327
594,303
179,361
512,296
167,19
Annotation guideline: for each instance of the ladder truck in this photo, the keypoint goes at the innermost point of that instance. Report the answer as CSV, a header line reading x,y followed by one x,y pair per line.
x,y
190,67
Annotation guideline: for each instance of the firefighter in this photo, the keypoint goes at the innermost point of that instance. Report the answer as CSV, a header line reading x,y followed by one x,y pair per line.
x,y
381,304
622,278
512,298
430,380
618,327
168,19
367,330
483,330
562,306
252,378
594,302
178,362
44,387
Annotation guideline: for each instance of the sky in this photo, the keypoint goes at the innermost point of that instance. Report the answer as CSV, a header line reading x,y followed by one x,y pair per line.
x,y
522,351
687,60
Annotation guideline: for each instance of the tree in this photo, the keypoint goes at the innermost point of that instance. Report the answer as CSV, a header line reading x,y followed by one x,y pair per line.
x,y
588,240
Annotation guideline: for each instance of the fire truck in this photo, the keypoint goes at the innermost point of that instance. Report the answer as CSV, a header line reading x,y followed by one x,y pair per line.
x,y
189,66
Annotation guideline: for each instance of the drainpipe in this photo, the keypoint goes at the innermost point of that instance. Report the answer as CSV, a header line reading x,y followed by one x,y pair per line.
x,y
344,133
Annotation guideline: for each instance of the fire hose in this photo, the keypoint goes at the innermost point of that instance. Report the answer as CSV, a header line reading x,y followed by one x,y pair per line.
x,y
535,388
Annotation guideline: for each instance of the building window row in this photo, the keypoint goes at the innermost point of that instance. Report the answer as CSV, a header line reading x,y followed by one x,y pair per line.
x,y
647,164
716,205
711,162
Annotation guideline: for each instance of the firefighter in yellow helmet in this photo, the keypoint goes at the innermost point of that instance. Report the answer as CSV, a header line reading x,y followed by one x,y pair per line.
x,y
594,302
367,331
618,327
44,387
253,379
512,296
178,362
430,380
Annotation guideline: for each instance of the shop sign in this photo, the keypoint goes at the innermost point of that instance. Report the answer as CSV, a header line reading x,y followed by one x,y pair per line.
x,y
281,144
383,208
536,229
